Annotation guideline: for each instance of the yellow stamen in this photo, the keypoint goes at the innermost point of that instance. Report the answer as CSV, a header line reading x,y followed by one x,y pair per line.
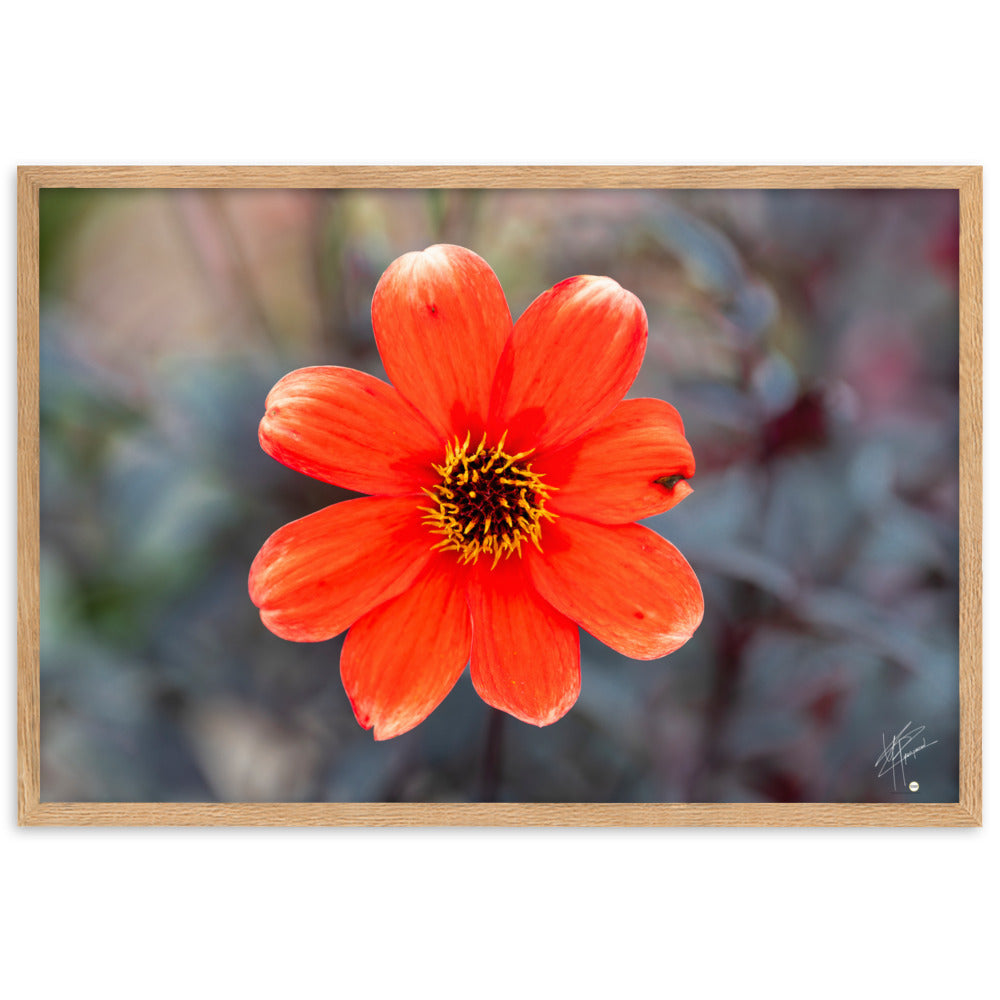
x,y
506,506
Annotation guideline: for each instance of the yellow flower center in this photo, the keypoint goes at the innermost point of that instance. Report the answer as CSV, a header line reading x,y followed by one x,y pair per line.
x,y
487,503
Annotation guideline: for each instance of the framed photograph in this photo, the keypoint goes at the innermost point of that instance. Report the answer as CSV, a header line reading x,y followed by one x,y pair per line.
x,y
573,496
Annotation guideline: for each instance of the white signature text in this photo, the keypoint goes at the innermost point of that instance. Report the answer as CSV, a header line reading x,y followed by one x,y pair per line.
x,y
892,760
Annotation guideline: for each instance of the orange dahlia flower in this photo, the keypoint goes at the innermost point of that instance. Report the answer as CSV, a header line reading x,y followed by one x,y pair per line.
x,y
503,473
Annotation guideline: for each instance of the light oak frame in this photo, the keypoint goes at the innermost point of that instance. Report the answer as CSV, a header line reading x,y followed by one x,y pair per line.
x,y
967,180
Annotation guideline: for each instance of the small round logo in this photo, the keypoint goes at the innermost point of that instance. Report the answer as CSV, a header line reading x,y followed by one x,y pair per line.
x,y
914,786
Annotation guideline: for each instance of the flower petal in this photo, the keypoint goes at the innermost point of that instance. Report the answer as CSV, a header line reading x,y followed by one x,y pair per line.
x,y
350,429
441,322
318,575
525,655
570,360
400,660
632,465
624,584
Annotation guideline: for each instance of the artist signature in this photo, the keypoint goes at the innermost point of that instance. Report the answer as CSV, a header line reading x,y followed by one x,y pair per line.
x,y
892,760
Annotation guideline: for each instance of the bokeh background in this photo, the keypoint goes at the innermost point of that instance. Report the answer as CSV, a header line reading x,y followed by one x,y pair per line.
x,y
809,340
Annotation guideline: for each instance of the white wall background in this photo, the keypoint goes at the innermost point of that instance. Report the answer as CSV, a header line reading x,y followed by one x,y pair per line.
x,y
165,913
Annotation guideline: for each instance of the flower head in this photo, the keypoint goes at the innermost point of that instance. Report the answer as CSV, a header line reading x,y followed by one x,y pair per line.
x,y
504,472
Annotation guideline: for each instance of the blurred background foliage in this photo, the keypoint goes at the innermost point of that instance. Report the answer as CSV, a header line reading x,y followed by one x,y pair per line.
x,y
808,338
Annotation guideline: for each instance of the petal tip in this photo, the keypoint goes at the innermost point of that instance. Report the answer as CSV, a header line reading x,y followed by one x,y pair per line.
x,y
556,713
381,734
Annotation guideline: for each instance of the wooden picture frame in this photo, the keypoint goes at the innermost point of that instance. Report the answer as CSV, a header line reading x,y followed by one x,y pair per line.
x,y
967,811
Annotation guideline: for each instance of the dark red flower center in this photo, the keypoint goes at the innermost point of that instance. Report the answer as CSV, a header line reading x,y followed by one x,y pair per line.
x,y
487,503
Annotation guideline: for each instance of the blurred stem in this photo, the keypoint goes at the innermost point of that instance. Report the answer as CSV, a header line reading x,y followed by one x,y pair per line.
x,y
718,709
453,215
435,212
246,287
327,249
203,223
492,758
